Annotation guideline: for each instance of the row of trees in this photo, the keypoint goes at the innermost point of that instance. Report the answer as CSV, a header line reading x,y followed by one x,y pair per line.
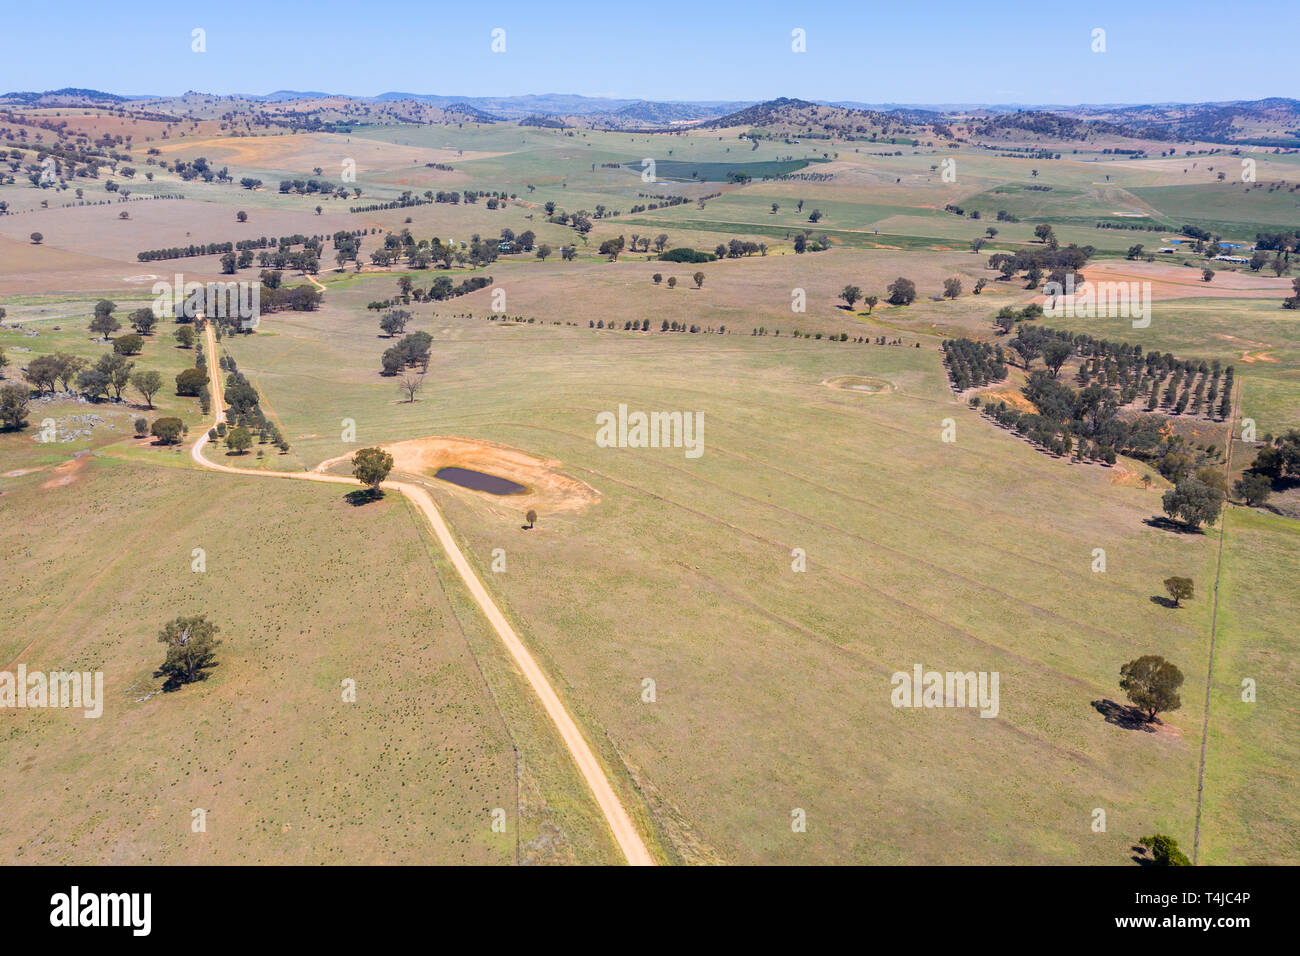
x,y
1176,385
972,364
1086,423
1047,261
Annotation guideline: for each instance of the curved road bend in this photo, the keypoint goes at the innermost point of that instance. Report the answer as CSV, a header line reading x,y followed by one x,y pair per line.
x,y
616,815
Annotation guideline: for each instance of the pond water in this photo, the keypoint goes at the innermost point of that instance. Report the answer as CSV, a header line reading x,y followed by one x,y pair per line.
x,y
479,481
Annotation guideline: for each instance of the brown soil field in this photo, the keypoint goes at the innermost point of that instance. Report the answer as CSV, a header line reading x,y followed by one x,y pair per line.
x,y
26,268
89,248
742,293
160,223
1177,282
95,124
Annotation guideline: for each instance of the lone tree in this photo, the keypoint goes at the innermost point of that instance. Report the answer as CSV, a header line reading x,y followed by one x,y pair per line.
x,y
951,288
850,294
239,440
1180,589
103,324
36,238
168,431
531,517
870,302
371,466
1253,488
129,344
394,322
143,321
1164,850
191,381
148,384
411,383
191,647
901,291
13,407
1193,502
1151,683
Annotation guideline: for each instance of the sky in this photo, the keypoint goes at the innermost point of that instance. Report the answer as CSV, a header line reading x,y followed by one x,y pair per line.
x,y
920,52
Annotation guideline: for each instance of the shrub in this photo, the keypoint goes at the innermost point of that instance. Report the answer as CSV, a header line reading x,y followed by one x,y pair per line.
x,y
168,431
191,382
684,254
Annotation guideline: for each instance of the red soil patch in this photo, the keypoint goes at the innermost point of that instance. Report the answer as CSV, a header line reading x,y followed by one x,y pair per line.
x,y
69,470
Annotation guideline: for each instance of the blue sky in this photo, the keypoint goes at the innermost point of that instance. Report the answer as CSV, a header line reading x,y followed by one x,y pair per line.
x,y
921,52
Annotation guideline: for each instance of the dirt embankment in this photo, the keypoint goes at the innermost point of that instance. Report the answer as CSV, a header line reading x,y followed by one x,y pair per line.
x,y
549,490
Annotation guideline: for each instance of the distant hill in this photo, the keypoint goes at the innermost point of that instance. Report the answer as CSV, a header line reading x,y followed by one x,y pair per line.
x,y
792,118
645,111
1271,122
516,107
779,110
547,122
472,113
1044,125
651,115
282,96
68,96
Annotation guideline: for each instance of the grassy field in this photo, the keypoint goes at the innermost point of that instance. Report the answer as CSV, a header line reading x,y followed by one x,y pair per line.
x,y
779,680
286,771
1252,747
772,685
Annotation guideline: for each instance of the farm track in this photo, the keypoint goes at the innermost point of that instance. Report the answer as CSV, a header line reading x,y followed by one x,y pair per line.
x,y
1214,624
611,807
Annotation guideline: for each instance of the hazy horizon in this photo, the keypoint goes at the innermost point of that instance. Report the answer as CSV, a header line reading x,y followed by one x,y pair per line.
x,y
697,101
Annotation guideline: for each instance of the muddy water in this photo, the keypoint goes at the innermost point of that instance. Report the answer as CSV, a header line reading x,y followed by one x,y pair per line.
x,y
479,481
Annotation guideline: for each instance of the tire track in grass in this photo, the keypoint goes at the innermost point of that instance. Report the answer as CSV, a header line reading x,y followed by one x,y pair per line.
x,y
1214,623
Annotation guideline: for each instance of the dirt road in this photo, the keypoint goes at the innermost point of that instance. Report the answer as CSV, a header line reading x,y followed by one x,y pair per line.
x,y
616,815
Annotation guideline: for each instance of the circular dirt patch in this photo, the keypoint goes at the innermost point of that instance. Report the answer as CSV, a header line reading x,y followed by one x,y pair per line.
x,y
861,384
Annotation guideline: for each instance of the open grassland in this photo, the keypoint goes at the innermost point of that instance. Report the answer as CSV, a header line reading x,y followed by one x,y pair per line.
x,y
1249,814
308,591
773,686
